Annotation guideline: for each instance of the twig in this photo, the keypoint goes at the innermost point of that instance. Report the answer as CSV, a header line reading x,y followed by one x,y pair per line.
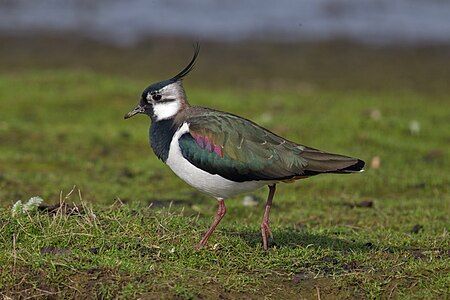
x,y
318,292
5,297
392,291
14,253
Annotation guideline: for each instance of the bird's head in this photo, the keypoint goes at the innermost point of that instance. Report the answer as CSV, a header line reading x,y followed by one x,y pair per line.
x,y
164,99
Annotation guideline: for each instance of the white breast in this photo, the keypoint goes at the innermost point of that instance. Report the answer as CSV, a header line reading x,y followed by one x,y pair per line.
x,y
210,184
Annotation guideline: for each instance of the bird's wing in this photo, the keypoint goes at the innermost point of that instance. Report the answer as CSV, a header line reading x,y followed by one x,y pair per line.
x,y
240,150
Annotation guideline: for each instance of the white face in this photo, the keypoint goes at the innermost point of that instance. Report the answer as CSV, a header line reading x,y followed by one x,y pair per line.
x,y
168,105
166,110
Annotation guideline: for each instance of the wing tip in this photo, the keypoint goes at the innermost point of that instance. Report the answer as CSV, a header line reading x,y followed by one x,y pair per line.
x,y
357,167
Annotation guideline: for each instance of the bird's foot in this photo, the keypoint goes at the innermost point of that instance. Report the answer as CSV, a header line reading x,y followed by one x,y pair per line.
x,y
266,233
221,210
199,246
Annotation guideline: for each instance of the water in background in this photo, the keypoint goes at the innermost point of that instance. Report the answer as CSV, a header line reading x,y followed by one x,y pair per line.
x,y
127,22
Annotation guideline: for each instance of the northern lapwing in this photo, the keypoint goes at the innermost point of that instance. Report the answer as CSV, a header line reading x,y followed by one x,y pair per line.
x,y
222,154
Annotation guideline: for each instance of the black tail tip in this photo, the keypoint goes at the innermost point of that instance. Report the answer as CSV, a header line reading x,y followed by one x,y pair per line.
x,y
357,167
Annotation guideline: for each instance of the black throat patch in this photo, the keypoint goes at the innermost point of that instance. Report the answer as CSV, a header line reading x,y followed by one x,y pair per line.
x,y
161,134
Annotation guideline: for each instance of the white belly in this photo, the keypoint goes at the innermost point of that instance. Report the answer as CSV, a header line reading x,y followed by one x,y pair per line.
x,y
210,184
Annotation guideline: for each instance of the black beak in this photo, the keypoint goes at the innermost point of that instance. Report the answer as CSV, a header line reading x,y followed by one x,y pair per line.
x,y
137,110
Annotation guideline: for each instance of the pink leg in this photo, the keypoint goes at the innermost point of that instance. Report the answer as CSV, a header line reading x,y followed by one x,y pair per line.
x,y
265,229
221,210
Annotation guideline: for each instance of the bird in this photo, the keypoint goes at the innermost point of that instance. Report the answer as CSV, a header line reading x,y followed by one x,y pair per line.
x,y
222,154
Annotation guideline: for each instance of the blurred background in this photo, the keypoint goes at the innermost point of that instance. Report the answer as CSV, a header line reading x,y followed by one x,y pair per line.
x,y
364,78
126,23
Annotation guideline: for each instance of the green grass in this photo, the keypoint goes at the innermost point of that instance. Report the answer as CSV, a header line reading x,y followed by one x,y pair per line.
x,y
61,127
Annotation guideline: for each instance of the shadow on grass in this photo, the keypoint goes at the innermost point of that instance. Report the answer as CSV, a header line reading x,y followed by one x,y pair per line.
x,y
291,238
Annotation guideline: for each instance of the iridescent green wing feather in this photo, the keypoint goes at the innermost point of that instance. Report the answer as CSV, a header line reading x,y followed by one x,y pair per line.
x,y
238,149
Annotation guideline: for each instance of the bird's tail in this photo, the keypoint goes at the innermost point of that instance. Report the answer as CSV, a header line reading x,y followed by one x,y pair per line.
x,y
322,162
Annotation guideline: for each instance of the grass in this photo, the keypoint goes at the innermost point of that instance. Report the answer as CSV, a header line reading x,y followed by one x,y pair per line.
x,y
62,126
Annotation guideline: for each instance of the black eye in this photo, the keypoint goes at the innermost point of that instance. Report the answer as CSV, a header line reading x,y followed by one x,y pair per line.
x,y
156,97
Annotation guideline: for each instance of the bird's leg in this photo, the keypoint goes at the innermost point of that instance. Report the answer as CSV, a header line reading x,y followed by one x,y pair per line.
x,y
221,210
265,229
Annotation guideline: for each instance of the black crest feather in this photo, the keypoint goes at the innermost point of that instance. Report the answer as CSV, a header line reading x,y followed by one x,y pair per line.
x,y
190,66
